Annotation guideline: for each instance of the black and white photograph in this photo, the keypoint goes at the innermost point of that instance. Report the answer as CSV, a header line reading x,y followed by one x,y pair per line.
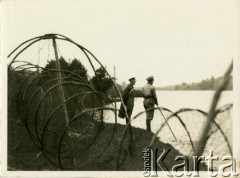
x,y
120,88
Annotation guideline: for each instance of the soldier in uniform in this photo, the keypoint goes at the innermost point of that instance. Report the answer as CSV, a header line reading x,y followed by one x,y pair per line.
x,y
150,99
128,100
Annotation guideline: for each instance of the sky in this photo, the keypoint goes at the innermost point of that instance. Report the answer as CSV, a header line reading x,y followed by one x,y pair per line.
x,y
175,41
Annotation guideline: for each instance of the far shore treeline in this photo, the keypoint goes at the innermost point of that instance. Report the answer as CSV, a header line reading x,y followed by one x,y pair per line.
x,y
206,84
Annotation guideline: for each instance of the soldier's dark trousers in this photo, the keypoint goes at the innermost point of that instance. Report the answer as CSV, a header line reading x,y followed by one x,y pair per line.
x,y
148,123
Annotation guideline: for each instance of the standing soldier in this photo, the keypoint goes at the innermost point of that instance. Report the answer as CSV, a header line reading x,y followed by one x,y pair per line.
x,y
128,100
150,98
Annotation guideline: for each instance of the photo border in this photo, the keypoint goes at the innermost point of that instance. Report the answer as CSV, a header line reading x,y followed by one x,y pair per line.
x,y
3,122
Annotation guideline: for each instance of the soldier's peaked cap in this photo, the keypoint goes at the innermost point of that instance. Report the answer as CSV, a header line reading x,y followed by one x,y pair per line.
x,y
149,78
131,79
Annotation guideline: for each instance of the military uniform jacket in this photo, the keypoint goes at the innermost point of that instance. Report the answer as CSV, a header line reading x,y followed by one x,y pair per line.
x,y
149,94
128,100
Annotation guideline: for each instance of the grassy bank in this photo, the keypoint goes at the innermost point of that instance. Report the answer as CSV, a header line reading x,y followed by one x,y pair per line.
x,y
101,155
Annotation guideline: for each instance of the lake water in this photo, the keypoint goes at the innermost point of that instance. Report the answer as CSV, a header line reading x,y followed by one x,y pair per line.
x,y
194,121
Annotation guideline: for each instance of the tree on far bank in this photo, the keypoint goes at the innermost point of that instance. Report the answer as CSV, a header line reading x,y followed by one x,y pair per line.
x,y
101,82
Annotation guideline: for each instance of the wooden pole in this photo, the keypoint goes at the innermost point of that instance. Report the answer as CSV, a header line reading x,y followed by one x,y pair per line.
x,y
60,87
115,97
115,104
62,97
39,50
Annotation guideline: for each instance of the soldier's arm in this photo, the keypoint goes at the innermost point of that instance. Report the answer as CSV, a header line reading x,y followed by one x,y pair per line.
x,y
126,94
154,96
